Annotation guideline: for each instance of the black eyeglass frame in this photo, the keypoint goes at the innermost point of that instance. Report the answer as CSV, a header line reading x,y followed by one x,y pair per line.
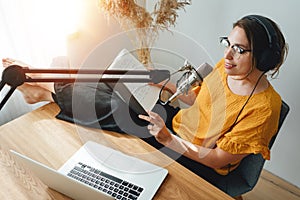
x,y
236,48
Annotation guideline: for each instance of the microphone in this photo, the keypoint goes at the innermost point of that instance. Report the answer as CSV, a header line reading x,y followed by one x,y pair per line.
x,y
197,75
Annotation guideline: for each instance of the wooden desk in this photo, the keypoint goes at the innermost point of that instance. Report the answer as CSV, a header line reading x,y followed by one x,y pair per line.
x,y
48,140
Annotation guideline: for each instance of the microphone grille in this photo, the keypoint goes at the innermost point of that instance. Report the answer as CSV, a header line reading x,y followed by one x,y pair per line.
x,y
204,69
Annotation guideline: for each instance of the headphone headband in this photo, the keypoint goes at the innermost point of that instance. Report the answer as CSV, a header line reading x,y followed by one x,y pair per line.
x,y
269,29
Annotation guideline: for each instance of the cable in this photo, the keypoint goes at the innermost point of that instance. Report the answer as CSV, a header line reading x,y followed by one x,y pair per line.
x,y
164,85
251,94
160,92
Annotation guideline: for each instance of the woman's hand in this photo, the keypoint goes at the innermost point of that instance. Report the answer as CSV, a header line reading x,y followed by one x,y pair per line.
x,y
157,128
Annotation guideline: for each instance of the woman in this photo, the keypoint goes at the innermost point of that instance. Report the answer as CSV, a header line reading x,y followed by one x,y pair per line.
x,y
242,116
234,113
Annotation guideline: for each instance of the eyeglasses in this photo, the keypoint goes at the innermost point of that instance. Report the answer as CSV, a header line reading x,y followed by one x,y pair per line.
x,y
236,51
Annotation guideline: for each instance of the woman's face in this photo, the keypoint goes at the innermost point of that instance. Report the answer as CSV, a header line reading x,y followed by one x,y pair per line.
x,y
238,59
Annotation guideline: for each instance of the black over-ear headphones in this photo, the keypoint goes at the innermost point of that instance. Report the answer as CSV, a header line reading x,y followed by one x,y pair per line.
x,y
269,58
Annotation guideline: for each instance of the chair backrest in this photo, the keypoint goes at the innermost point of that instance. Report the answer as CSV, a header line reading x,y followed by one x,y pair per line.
x,y
283,113
244,178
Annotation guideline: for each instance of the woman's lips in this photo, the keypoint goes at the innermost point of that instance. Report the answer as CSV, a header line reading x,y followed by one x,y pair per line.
x,y
229,66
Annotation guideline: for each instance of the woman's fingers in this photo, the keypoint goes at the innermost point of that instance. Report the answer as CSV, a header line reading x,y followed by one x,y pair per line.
x,y
151,116
155,122
144,117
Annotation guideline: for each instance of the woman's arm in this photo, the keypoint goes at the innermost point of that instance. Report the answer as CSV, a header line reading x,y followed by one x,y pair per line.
x,y
214,158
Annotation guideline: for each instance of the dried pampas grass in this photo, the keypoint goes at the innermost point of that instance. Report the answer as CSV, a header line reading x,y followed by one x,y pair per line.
x,y
166,12
130,15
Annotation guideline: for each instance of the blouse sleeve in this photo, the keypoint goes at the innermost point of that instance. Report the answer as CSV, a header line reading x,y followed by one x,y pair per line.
x,y
251,134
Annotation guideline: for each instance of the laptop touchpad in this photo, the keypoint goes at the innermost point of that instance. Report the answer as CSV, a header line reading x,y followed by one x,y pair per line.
x,y
122,162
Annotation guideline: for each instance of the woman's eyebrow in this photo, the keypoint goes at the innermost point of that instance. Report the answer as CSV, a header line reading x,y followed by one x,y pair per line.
x,y
240,45
237,44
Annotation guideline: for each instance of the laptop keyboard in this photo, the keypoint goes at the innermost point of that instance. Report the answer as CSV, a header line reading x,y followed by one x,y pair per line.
x,y
111,185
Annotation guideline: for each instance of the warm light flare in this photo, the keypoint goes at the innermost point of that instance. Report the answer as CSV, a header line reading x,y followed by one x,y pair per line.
x,y
57,17
51,22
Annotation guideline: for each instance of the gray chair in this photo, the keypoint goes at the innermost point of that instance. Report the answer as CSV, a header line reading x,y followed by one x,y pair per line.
x,y
244,178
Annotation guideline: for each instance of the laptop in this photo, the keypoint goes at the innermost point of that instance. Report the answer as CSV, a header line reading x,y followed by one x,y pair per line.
x,y
99,172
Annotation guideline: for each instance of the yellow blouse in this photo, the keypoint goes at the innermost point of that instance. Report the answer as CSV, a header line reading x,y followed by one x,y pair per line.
x,y
208,121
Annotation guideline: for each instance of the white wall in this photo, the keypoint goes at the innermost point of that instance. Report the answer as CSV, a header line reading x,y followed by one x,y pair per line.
x,y
203,22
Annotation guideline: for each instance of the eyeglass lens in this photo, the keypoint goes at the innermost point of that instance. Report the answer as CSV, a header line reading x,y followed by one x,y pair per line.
x,y
235,50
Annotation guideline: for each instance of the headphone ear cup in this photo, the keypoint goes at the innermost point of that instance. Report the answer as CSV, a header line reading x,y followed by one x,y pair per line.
x,y
268,60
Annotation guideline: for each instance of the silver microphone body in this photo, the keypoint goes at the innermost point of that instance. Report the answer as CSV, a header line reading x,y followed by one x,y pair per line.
x,y
196,76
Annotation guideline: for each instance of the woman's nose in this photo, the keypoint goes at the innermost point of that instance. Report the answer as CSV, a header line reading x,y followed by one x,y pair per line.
x,y
228,53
